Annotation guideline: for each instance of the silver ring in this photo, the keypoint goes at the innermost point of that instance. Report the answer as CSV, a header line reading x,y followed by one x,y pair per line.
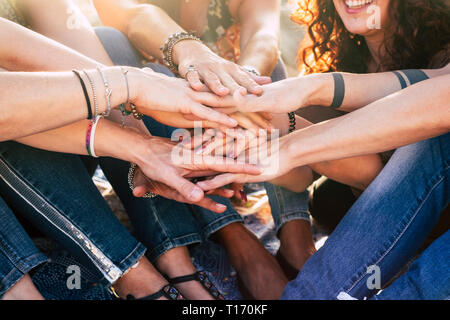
x,y
191,68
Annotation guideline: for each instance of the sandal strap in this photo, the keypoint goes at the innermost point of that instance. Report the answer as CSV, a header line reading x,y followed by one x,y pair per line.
x,y
201,277
168,291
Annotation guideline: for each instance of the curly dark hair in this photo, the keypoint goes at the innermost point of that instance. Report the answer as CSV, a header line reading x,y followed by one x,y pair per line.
x,y
419,39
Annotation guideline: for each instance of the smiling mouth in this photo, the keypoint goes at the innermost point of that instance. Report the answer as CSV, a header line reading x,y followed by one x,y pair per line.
x,y
358,4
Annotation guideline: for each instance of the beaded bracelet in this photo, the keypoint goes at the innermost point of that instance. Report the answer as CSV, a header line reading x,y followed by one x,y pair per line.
x,y
131,173
292,122
167,48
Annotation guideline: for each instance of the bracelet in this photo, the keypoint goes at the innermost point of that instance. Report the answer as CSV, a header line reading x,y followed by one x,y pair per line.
x,y
86,95
124,112
413,75
136,114
252,70
131,173
339,91
167,48
94,93
90,137
108,93
292,122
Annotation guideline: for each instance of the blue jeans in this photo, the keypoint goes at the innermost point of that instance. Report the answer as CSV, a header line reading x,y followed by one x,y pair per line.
x,y
56,194
385,228
18,255
164,224
428,277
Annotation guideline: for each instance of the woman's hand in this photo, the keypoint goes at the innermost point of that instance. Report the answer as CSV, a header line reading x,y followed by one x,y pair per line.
x,y
200,66
151,91
272,157
143,184
284,96
162,160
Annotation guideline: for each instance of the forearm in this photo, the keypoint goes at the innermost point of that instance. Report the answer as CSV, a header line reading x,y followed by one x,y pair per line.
x,y
111,140
397,120
261,53
360,89
62,21
35,102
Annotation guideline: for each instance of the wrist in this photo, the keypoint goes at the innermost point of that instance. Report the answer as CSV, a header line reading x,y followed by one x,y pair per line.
x,y
187,47
321,89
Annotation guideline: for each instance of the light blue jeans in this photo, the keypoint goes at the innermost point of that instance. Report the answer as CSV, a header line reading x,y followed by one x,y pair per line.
x,y
385,229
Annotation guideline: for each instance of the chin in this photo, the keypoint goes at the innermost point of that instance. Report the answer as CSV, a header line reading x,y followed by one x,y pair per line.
x,y
358,14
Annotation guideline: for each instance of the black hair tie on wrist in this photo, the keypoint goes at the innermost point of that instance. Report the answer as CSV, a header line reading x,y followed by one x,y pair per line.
x,y
339,91
86,95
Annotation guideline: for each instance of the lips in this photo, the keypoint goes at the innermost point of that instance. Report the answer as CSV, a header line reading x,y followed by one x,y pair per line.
x,y
357,4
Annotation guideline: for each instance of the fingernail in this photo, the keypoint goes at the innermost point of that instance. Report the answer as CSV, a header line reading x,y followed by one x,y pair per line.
x,y
200,150
221,206
243,195
231,155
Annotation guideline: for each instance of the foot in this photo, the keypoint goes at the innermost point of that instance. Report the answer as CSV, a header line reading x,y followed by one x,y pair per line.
x,y
140,282
177,263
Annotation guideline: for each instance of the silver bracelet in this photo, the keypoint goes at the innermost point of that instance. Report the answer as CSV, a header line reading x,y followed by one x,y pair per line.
x,y
167,48
108,93
251,70
94,93
131,174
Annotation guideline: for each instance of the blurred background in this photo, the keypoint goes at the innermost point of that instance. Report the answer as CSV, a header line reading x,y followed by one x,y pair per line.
x,y
291,33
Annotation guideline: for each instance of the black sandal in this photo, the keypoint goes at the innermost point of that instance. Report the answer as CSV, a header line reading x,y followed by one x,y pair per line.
x,y
168,291
201,277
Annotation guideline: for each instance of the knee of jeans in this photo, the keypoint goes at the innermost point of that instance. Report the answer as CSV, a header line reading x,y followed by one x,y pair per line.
x,y
118,47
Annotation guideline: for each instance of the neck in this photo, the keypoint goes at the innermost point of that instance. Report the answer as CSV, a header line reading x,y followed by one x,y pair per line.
x,y
375,43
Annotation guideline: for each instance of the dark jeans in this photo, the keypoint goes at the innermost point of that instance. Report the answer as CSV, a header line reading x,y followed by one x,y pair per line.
x,y
56,194
385,229
18,255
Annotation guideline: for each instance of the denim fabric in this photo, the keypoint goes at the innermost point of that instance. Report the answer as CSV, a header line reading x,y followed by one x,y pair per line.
x,y
18,255
163,224
385,227
55,192
159,223
428,277
287,205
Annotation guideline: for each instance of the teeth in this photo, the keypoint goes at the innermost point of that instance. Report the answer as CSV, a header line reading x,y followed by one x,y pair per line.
x,y
357,3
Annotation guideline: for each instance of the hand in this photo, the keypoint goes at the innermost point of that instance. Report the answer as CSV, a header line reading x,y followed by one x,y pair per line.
x,y
273,160
281,97
142,184
219,75
151,91
157,158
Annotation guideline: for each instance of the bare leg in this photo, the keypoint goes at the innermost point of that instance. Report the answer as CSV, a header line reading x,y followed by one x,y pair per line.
x,y
176,263
296,242
24,289
141,281
257,268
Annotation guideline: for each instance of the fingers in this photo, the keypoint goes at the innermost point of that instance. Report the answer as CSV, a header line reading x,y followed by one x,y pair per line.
x,y
186,188
225,193
258,119
233,85
220,181
246,80
213,82
209,114
193,78
221,164
260,79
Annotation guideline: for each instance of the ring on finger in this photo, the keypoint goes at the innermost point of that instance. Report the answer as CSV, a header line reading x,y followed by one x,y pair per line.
x,y
191,68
